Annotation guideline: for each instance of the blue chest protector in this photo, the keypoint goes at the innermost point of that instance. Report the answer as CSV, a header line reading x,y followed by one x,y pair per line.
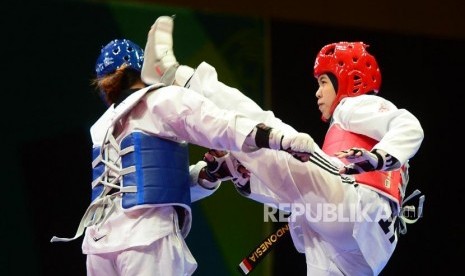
x,y
159,170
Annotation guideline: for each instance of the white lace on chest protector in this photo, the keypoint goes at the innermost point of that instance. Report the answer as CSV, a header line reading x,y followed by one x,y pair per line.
x,y
405,210
110,155
102,206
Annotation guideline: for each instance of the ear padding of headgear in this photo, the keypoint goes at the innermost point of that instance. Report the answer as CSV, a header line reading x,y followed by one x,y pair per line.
x,y
356,70
117,53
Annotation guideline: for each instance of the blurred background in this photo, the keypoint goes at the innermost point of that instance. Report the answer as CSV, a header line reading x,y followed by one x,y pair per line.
x,y
266,49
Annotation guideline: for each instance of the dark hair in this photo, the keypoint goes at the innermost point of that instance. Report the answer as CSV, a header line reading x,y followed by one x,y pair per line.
x,y
111,85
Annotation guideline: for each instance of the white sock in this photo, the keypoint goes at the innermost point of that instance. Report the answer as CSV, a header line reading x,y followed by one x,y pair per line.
x,y
183,75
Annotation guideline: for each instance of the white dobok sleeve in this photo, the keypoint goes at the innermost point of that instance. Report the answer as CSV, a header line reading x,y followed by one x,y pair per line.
x,y
398,131
180,114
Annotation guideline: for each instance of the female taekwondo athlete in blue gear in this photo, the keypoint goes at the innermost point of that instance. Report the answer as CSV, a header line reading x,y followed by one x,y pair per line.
x,y
142,184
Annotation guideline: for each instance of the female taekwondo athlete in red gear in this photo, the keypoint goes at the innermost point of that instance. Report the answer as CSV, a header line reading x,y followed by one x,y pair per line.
x,y
347,202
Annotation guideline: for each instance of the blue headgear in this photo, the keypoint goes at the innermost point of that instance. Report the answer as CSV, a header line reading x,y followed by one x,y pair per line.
x,y
116,53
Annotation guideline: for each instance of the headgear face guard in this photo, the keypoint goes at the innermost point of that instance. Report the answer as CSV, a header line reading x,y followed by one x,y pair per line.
x,y
356,70
117,53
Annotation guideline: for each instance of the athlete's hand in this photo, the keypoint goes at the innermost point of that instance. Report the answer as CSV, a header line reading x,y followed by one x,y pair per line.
x,y
300,145
361,160
223,166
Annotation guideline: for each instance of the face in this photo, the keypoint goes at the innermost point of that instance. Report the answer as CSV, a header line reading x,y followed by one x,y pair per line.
x,y
325,95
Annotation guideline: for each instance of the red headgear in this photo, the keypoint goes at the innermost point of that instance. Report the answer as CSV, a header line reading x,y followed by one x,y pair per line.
x,y
356,70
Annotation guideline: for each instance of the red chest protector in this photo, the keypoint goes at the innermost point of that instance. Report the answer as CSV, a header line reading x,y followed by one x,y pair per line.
x,y
386,183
